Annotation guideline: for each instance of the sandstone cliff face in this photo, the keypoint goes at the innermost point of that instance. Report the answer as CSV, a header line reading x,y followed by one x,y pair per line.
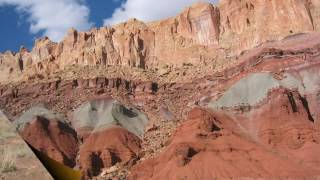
x,y
262,112
245,24
196,37
315,14
201,23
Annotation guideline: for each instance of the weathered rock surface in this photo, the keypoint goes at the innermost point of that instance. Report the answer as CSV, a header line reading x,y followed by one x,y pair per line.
x,y
16,159
106,148
265,21
111,134
252,66
203,34
53,137
102,133
265,103
211,145
104,113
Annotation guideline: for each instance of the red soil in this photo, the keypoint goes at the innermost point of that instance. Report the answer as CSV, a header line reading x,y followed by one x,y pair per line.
x,y
219,146
106,148
53,138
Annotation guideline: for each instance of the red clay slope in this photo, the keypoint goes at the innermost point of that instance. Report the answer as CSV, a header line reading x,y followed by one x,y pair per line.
x,y
106,148
53,138
212,146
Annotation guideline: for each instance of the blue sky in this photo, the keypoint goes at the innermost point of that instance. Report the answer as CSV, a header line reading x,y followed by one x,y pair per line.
x,y
22,21
15,29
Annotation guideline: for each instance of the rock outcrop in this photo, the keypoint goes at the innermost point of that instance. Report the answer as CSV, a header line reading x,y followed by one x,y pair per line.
x,y
17,160
100,134
101,114
120,97
202,34
111,134
211,146
264,21
106,148
50,136
268,106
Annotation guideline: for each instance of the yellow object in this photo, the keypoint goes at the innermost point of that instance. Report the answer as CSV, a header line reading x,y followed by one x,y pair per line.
x,y
57,170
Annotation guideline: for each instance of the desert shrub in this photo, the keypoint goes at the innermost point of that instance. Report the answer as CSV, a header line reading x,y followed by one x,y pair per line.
x,y
8,161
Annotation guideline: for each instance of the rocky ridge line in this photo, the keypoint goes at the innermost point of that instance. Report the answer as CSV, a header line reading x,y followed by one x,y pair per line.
x,y
202,34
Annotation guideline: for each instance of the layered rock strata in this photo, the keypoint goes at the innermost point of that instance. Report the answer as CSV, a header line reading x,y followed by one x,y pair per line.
x,y
253,91
203,34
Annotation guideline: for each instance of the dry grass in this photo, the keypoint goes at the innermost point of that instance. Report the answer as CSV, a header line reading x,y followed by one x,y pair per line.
x,y
7,130
7,156
8,161
22,151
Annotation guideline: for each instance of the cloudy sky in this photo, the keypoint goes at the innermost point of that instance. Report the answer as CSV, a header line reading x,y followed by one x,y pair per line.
x,y
22,21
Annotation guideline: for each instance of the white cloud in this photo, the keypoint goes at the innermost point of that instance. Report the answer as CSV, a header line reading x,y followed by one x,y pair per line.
x,y
149,10
53,17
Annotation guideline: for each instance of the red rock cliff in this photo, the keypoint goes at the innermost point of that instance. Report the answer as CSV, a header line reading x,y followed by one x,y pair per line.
x,y
196,36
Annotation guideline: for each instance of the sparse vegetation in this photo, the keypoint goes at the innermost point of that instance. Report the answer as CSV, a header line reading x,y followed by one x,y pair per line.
x,y
6,130
8,161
